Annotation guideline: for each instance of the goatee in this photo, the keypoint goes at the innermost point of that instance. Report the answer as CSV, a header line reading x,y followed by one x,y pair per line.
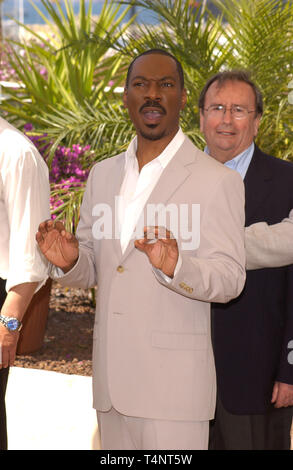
x,y
153,137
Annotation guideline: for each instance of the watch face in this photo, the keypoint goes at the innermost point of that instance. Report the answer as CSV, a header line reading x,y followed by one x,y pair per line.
x,y
12,324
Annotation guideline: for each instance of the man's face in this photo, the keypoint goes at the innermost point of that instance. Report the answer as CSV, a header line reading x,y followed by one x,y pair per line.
x,y
154,97
227,137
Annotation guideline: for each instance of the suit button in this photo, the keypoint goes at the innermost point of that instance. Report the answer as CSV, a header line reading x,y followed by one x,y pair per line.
x,y
120,269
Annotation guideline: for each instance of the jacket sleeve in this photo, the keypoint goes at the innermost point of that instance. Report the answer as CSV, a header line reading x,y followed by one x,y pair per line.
x,y
215,272
269,246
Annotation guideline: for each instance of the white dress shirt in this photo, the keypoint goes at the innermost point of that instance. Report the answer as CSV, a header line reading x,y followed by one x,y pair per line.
x,y
137,186
134,192
24,203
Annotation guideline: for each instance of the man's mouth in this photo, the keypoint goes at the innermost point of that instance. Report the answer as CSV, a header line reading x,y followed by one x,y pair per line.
x,y
152,115
152,112
226,133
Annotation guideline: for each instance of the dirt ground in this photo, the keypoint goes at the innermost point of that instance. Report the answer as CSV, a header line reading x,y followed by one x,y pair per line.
x,y
67,345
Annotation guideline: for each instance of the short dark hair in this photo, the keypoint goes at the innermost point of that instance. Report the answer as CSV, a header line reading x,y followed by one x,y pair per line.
x,y
232,75
159,52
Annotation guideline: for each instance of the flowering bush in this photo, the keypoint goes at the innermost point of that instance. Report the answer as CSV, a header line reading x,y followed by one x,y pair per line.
x,y
66,167
67,172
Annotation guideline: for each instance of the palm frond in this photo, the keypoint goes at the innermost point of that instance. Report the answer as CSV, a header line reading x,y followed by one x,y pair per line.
x,y
107,128
260,34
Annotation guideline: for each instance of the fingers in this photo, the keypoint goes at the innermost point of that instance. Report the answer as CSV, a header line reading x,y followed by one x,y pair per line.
x,y
284,396
7,359
280,404
7,355
283,401
48,226
142,245
154,233
157,232
162,252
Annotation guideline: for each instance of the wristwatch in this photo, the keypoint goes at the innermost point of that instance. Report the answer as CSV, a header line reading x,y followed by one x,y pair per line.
x,y
11,323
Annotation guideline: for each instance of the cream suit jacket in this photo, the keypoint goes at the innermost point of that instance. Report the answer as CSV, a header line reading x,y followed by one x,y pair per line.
x,y
269,246
152,352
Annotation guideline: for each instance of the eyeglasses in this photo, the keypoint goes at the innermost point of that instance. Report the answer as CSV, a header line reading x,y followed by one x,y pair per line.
x,y
237,112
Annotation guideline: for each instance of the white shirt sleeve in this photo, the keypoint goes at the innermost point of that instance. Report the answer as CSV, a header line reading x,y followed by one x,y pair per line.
x,y
26,200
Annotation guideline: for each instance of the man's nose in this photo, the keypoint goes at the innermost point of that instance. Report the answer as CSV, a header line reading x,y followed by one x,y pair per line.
x,y
153,91
227,115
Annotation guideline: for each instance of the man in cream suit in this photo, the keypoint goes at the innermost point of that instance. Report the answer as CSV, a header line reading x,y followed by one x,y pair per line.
x,y
154,378
269,246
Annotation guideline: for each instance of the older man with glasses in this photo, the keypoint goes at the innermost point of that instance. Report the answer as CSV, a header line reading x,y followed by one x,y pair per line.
x,y
253,333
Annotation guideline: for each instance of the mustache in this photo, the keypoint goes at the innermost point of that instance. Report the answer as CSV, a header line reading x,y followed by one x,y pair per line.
x,y
152,104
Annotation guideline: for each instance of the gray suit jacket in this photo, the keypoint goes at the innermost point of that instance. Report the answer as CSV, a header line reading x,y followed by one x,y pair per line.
x,y
269,246
152,352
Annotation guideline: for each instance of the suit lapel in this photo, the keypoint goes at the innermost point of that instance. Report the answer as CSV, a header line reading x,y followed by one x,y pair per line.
x,y
171,179
257,184
112,191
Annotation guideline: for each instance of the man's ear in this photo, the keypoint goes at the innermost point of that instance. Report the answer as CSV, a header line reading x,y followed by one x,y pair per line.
x,y
256,124
183,98
201,118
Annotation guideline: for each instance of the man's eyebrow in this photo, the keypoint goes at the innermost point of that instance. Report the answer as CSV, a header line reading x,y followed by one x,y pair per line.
x,y
168,77
221,104
141,77
138,76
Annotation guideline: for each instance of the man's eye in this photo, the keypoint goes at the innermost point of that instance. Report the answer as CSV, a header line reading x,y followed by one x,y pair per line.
x,y
216,107
138,84
238,109
166,84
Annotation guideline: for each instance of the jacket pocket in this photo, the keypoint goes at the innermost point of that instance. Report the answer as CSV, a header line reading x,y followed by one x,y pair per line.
x,y
179,341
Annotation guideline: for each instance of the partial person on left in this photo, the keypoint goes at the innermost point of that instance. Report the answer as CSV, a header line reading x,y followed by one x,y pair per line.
x,y
24,202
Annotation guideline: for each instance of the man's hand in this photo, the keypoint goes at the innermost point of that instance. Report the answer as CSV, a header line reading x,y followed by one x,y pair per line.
x,y
8,343
59,246
163,254
282,395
